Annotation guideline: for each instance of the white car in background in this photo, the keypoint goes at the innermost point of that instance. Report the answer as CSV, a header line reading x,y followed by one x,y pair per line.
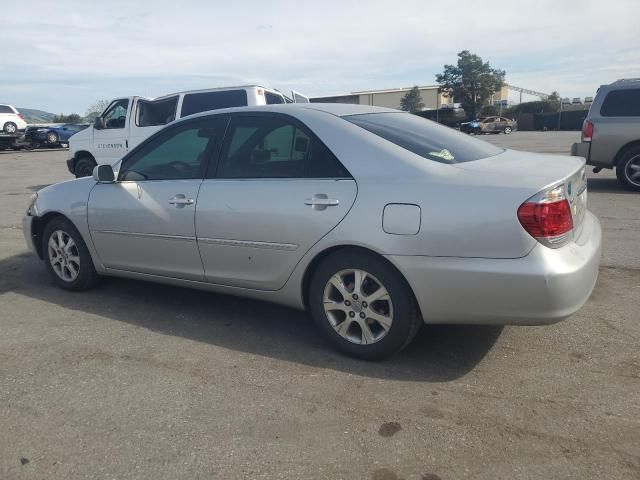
x,y
128,121
11,121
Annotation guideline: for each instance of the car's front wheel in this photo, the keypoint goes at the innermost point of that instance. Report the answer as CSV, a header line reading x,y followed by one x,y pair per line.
x,y
52,138
363,305
628,169
66,256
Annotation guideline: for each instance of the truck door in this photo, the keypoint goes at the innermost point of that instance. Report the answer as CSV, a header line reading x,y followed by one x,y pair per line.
x,y
110,142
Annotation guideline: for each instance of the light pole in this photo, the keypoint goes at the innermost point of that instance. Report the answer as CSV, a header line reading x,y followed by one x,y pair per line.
x,y
560,115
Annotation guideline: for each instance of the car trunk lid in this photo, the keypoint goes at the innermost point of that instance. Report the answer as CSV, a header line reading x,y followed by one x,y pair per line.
x,y
537,173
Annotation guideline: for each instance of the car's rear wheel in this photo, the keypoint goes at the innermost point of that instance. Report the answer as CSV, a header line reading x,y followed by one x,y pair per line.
x,y
507,130
628,169
363,306
52,138
66,256
10,127
84,167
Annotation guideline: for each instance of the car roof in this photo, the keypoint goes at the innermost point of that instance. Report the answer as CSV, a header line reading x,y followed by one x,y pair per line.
x,y
337,109
216,89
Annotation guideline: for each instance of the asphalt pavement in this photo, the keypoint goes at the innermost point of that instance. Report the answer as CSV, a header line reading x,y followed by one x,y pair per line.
x,y
140,381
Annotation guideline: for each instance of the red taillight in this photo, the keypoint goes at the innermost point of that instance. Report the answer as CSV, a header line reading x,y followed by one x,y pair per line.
x,y
587,131
546,220
20,115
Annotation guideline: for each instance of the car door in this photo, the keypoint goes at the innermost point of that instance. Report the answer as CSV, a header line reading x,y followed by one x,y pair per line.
x,y
110,142
276,191
145,221
488,125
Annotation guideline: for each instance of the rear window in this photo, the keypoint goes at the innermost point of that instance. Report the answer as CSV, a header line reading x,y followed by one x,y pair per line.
x,y
424,137
621,103
5,109
201,102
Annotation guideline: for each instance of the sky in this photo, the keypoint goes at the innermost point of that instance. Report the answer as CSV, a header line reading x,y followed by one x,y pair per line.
x,y
65,58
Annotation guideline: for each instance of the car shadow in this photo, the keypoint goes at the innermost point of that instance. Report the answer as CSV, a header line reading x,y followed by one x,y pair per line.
x,y
606,185
438,354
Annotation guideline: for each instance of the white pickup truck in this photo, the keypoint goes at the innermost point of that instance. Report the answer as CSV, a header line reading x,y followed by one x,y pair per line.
x,y
128,121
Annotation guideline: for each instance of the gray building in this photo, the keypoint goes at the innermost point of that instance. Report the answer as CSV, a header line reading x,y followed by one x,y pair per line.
x,y
432,97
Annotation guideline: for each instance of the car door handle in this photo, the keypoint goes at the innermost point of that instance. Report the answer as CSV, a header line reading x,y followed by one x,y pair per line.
x,y
180,201
320,202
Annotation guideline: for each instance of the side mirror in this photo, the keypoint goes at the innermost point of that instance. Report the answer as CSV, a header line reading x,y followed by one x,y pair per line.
x,y
104,174
98,123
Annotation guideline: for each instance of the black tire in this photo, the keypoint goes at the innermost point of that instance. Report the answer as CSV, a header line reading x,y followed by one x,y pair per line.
x,y
10,127
52,138
84,167
406,316
86,276
507,130
626,167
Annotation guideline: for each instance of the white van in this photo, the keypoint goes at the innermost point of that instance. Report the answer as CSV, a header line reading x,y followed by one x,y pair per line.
x,y
128,121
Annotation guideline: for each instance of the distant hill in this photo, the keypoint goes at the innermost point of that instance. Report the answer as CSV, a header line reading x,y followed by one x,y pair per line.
x,y
36,116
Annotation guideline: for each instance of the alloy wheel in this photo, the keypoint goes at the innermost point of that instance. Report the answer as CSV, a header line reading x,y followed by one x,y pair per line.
x,y
358,306
632,170
64,256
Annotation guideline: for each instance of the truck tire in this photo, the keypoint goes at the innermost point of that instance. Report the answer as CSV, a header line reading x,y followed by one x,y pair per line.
x,y
84,167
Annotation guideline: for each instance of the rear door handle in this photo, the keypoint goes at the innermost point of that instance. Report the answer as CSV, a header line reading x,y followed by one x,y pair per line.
x,y
320,201
180,201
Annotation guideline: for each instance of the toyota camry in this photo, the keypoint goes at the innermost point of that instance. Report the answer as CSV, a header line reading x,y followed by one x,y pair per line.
x,y
374,220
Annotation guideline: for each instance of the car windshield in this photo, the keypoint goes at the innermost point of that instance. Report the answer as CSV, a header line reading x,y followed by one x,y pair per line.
x,y
424,137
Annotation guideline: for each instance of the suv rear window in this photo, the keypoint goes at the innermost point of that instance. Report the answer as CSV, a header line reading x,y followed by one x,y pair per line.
x,y
621,103
424,137
201,102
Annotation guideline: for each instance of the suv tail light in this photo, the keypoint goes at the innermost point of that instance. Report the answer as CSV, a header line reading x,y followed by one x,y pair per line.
x,y
20,116
587,131
547,217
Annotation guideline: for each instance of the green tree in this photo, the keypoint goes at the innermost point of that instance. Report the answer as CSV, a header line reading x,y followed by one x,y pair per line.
x,y
62,118
471,81
412,101
96,109
554,99
489,111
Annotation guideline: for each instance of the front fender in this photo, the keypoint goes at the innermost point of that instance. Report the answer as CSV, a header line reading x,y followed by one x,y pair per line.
x,y
69,199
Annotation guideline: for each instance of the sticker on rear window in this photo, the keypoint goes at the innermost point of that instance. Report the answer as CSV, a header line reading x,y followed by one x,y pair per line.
x,y
444,154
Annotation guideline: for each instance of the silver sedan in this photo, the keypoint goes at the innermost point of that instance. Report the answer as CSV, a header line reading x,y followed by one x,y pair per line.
x,y
374,220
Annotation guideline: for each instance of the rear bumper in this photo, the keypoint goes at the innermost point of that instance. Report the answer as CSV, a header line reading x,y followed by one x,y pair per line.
x,y
546,286
581,149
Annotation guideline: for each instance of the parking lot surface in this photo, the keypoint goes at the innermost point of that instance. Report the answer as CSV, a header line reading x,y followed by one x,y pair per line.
x,y
141,381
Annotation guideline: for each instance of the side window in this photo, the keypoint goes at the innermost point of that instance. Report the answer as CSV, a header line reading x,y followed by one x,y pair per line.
x,y
275,147
621,103
177,154
203,101
5,109
273,98
116,114
156,112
